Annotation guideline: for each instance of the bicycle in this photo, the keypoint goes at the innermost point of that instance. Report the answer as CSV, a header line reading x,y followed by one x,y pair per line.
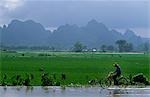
x,y
108,81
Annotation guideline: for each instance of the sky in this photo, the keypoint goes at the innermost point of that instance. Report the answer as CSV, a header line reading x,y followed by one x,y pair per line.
x,y
115,14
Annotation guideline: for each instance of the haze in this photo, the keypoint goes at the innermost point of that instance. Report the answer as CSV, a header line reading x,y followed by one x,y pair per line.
x,y
120,15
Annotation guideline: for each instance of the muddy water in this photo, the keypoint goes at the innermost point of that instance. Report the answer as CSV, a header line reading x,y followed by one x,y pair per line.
x,y
73,92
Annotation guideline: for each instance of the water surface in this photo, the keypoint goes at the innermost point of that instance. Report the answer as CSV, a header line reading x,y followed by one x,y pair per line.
x,y
73,92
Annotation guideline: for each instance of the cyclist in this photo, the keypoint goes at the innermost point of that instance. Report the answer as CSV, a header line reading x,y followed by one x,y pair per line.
x,y
116,73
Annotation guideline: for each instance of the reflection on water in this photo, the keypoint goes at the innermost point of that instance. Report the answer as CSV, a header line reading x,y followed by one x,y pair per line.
x,y
130,92
116,93
73,92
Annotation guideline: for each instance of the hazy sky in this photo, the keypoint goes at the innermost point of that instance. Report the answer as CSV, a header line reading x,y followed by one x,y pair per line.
x,y
121,15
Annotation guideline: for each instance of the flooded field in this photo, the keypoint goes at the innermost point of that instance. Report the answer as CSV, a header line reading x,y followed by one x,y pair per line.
x,y
73,92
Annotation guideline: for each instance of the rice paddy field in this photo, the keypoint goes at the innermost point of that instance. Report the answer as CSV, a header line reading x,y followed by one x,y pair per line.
x,y
79,68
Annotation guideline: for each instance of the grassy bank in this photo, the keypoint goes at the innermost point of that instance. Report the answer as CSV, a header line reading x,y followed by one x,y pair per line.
x,y
78,67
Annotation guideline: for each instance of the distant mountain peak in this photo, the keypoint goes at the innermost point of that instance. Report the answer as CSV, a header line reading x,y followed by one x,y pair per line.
x,y
129,33
93,21
95,24
15,21
129,30
93,34
25,33
30,21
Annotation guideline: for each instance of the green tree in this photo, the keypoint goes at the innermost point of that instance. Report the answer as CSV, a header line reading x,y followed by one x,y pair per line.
x,y
103,48
124,46
78,47
121,45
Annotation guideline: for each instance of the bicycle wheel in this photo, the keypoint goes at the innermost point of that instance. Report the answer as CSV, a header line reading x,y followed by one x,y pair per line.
x,y
105,83
123,82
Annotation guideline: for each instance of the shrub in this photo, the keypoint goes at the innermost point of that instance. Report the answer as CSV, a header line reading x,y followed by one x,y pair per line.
x,y
140,78
46,80
63,76
4,80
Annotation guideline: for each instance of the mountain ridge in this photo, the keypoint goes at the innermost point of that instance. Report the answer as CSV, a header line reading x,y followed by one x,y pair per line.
x,y
93,34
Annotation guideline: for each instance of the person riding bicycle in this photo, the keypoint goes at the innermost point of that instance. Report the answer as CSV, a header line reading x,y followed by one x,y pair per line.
x,y
116,73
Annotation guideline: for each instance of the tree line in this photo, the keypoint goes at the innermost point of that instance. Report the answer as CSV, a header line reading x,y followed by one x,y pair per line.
x,y
119,46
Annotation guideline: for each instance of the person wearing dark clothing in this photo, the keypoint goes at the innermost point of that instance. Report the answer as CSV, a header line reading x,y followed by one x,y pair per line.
x,y
116,74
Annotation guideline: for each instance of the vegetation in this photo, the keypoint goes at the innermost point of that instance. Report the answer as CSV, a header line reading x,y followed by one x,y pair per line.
x,y
124,46
136,80
103,47
65,68
78,47
120,46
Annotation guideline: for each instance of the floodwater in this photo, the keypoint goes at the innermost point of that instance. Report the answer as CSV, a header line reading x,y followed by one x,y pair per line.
x,y
38,91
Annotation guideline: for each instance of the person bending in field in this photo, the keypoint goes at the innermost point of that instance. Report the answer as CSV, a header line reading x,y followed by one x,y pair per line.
x,y
116,73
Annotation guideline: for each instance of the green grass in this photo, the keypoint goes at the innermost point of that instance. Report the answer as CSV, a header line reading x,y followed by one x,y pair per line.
x,y
76,66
